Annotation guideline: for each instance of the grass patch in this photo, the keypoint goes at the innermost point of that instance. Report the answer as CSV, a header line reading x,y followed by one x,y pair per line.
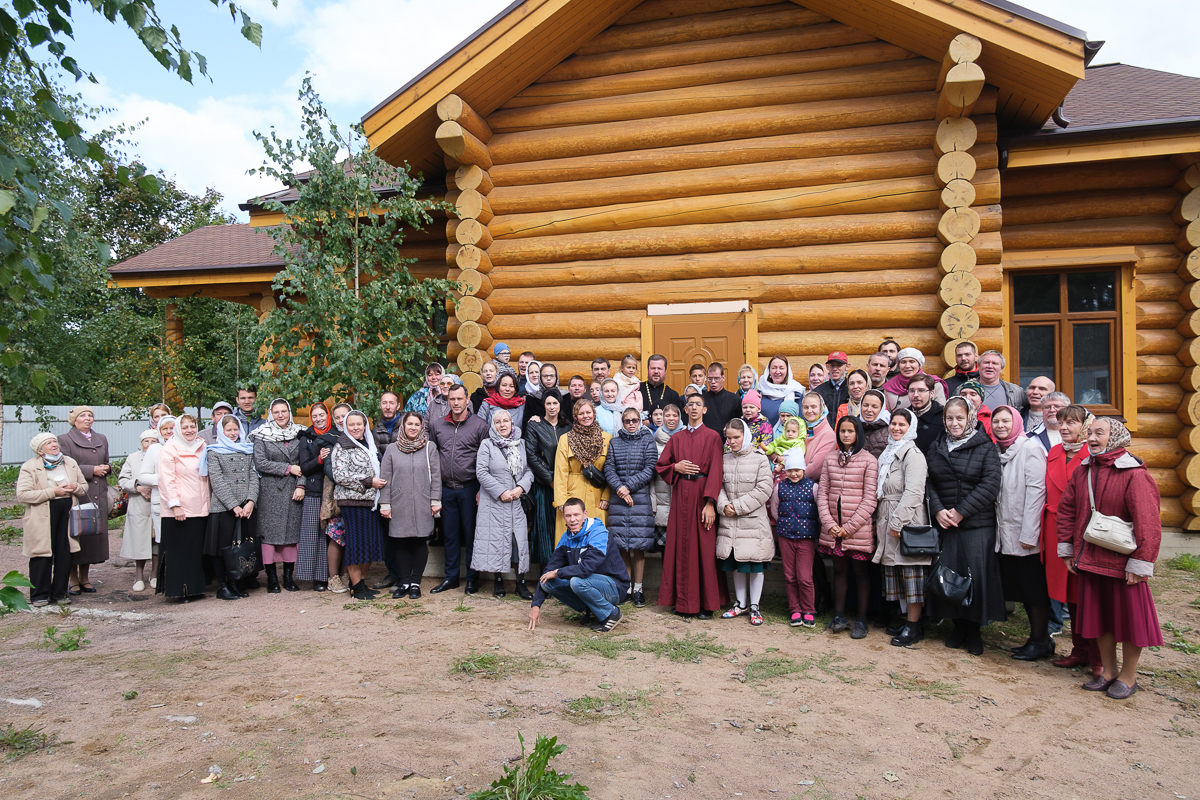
x,y
690,649
1001,635
926,688
591,708
10,534
20,742
66,641
12,512
400,609
496,666
1186,562
762,668
462,606
116,523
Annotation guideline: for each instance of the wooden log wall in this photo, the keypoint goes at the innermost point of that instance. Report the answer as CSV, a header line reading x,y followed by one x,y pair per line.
x,y
1186,214
706,150
1132,203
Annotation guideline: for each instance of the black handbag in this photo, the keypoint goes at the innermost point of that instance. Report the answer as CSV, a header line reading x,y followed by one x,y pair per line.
x,y
919,540
243,557
594,476
947,584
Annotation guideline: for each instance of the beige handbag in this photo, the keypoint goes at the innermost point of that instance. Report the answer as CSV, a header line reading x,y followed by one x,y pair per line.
x,y
1111,533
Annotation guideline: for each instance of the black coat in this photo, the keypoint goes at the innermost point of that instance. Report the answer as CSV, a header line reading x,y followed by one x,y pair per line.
x,y
967,479
541,444
311,443
477,398
834,396
929,427
719,408
659,397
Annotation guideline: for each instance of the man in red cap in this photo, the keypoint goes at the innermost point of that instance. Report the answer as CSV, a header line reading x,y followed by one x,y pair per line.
x,y
835,391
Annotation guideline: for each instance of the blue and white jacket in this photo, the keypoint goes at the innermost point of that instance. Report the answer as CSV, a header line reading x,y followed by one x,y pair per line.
x,y
579,555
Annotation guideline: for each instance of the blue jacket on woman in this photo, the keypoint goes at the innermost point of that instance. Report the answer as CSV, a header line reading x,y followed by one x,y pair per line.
x,y
630,463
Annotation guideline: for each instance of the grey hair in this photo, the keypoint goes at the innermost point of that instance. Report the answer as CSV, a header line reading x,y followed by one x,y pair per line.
x,y
995,353
1058,396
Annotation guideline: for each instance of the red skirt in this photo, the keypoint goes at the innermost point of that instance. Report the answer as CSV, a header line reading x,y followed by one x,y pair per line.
x,y
1110,605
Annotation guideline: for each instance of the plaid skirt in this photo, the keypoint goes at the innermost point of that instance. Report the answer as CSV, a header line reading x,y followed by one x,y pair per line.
x,y
364,535
311,561
904,582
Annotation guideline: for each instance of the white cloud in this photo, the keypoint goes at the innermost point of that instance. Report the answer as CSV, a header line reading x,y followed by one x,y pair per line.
x,y
360,51
211,144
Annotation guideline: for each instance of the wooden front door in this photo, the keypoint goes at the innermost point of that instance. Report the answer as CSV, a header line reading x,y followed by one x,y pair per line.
x,y
700,339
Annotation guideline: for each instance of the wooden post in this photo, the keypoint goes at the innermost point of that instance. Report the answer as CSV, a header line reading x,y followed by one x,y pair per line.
x,y
174,325
463,136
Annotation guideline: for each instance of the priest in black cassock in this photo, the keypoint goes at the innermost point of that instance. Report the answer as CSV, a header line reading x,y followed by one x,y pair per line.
x,y
691,465
720,405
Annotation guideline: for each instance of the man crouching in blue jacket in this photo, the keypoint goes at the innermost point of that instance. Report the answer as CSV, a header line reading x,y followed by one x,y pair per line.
x,y
584,573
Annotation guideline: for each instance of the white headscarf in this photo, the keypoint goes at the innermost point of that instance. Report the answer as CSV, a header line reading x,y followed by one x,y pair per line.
x,y
889,453
747,437
534,388
271,432
369,445
778,391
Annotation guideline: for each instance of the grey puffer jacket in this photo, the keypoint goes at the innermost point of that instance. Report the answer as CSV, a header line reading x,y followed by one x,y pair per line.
x,y
232,480
630,463
746,484
498,522
662,490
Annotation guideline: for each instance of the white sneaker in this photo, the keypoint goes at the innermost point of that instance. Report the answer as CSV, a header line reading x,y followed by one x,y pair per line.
x,y
338,585
154,583
140,586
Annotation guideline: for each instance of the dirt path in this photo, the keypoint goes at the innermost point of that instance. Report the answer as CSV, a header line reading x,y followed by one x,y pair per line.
x,y
275,687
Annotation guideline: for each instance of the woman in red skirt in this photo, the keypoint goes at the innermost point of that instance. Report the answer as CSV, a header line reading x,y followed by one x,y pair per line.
x,y
1114,603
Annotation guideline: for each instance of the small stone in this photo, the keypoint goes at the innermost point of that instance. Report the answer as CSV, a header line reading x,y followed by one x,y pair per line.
x,y
460,789
320,768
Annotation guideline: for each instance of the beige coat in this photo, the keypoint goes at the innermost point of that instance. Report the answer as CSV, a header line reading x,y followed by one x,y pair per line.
x,y
35,489
902,503
746,484
1022,497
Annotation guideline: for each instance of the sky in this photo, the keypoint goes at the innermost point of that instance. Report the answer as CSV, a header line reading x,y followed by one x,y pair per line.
x,y
360,51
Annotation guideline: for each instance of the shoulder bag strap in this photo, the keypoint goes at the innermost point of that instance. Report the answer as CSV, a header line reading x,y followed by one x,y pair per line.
x,y
1091,494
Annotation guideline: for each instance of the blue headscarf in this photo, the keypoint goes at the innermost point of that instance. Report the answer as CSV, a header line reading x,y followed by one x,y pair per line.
x,y
226,445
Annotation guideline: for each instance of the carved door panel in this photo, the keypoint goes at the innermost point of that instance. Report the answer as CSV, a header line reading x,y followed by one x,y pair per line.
x,y
699,339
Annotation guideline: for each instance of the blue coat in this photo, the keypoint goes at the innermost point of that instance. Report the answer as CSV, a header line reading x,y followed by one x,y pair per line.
x,y
630,463
590,552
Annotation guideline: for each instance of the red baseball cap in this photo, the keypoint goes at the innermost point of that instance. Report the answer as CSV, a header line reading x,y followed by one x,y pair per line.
x,y
837,355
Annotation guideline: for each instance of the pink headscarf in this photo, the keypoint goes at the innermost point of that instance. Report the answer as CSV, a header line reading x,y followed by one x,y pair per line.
x,y
1018,427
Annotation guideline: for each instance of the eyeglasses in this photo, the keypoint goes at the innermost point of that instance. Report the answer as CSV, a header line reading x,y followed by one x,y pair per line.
x,y
914,390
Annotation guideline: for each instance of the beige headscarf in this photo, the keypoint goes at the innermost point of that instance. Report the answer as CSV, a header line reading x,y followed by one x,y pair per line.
x,y
76,411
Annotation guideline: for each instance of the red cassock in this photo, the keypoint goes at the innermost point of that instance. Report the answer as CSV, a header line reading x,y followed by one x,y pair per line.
x,y
690,579
1058,473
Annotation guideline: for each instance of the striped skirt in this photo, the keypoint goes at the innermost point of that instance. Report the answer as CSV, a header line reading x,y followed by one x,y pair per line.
x,y
311,561
364,535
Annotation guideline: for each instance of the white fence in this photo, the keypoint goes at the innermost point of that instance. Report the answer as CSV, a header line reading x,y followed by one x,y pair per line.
x,y
119,424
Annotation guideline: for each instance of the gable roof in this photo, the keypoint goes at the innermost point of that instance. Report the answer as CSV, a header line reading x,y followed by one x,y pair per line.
x,y
223,247
1114,95
1033,61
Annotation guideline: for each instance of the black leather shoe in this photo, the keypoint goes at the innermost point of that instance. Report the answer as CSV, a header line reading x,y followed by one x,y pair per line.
x,y
224,593
414,591
320,586
895,630
704,615
386,582
639,598
1032,651
912,633
472,586
251,582
523,591
444,585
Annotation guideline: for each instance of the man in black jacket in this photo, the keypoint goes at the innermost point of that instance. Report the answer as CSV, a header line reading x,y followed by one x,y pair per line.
x,y
585,573
835,391
928,410
655,392
720,405
966,366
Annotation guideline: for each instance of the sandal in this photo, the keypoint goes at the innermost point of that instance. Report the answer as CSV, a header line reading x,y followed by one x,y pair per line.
x,y
735,611
755,616
87,588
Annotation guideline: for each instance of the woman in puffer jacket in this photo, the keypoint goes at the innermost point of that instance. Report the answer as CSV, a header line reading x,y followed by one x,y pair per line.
x,y
846,499
671,425
745,545
629,470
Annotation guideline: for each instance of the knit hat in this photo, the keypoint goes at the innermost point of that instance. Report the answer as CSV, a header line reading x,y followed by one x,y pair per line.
x,y
789,407
911,352
76,411
794,459
149,433
40,439
974,385
499,348
752,398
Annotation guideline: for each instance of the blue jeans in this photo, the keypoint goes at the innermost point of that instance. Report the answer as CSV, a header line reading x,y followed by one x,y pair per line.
x,y
458,526
597,593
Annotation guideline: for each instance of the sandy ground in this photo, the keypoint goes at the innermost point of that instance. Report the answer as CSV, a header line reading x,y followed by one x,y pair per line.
x,y
289,693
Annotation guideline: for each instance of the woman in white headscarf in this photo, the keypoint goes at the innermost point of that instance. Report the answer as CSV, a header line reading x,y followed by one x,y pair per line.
x,y
501,528
280,492
148,476
137,540
356,472
46,485
185,497
777,386
745,545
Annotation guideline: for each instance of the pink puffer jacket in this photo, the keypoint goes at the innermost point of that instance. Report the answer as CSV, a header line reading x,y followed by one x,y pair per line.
x,y
853,488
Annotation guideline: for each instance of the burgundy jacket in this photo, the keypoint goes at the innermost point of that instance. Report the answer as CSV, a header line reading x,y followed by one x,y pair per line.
x,y
1123,488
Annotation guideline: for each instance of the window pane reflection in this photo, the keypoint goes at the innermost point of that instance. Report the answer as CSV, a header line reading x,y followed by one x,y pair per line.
x,y
1092,371
1035,294
1037,347
1091,291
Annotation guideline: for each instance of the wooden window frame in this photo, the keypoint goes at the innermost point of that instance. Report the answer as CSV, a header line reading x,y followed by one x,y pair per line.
x,y
1122,261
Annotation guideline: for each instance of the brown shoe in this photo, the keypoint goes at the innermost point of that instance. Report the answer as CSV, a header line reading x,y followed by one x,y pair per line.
x,y
1071,661
1120,691
1098,684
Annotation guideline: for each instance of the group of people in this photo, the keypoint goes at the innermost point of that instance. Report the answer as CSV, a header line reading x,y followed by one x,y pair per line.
x,y
572,489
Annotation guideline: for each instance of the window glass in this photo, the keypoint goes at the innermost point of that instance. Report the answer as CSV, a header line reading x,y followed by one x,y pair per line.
x,y
1091,291
1092,371
1035,294
1037,348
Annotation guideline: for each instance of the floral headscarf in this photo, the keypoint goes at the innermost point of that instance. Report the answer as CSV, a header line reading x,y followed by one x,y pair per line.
x,y
972,422
1118,435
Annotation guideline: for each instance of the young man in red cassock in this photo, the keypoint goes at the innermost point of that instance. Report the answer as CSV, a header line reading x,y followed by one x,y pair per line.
x,y
691,464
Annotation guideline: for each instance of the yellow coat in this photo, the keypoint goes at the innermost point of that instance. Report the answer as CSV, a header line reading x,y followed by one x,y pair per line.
x,y
36,490
569,482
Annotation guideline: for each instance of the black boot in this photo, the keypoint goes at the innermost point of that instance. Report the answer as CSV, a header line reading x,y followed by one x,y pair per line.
x,y
239,588
910,634
224,592
498,589
523,589
272,580
360,591
288,582
959,637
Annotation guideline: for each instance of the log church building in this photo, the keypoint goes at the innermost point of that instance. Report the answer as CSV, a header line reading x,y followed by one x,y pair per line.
x,y
733,179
